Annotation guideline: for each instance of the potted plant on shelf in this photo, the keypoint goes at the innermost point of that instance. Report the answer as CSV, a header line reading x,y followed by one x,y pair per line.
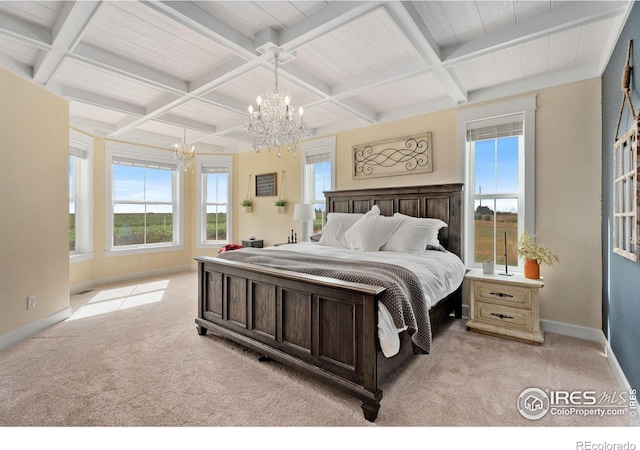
x,y
247,205
534,255
280,206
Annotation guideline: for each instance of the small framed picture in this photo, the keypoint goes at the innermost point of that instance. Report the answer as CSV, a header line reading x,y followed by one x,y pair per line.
x,y
266,185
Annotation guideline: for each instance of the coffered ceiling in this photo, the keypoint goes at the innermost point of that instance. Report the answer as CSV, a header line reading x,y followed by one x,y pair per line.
x,y
146,71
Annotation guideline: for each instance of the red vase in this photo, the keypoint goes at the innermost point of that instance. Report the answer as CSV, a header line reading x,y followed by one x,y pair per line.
x,y
531,269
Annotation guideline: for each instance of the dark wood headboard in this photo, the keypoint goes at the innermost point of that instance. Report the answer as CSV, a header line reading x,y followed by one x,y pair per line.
x,y
441,201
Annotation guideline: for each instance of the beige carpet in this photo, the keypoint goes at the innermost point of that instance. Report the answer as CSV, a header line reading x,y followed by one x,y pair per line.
x,y
131,356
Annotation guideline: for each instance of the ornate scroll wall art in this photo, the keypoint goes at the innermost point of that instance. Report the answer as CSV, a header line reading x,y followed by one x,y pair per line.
x,y
398,156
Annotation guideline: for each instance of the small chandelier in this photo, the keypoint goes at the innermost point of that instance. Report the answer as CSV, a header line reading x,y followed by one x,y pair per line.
x,y
272,124
184,154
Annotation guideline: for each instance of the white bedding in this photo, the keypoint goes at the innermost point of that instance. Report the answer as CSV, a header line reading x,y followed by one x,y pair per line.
x,y
440,273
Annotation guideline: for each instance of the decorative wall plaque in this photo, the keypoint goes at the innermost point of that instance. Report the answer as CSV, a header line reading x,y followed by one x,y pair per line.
x,y
399,156
266,185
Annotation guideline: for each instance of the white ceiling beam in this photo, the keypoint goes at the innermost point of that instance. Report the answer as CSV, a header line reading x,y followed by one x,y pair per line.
x,y
236,134
304,79
116,64
417,110
395,73
83,122
25,32
102,101
411,24
224,102
10,63
575,15
184,122
67,32
208,148
544,81
195,18
150,113
358,109
222,75
317,25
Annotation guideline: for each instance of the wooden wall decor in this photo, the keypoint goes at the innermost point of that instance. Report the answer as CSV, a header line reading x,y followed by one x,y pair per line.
x,y
626,190
626,194
398,156
266,185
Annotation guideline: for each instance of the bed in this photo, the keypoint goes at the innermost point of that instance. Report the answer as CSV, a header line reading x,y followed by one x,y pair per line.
x,y
332,327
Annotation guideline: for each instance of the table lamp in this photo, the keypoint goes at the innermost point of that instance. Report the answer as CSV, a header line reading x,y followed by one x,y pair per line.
x,y
304,213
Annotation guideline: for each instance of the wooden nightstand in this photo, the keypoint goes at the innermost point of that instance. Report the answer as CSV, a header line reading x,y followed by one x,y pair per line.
x,y
505,306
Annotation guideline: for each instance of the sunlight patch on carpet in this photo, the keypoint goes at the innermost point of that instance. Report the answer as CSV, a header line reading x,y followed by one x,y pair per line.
x,y
111,300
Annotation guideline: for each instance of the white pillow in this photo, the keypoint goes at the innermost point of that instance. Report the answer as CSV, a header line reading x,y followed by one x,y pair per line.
x,y
413,233
371,231
334,229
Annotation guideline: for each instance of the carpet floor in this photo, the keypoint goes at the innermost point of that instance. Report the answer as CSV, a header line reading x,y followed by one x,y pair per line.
x,y
130,356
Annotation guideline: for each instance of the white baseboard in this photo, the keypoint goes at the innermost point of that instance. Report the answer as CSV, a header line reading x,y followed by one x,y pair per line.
x,y
566,329
76,289
34,327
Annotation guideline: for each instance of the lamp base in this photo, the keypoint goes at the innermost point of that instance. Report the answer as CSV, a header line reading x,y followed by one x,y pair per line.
x,y
304,231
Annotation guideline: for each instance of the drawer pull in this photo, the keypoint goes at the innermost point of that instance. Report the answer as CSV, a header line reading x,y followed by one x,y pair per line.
x,y
501,316
501,294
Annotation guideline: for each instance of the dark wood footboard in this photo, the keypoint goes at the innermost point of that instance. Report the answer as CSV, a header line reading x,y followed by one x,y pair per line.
x,y
321,326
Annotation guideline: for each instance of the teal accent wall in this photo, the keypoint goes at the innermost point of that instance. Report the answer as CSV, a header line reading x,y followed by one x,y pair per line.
x,y
621,276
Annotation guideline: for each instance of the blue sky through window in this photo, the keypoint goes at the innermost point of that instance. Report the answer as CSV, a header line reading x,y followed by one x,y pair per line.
x,y
141,184
496,164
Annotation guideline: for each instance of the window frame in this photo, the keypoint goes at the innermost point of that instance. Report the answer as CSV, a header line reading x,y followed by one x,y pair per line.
x,y
81,144
212,161
501,112
312,148
150,156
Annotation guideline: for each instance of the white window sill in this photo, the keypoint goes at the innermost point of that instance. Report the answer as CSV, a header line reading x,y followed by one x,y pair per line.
x,y
212,244
80,257
140,250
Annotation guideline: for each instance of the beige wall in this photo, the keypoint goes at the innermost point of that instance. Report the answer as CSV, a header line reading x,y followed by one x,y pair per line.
x,y
443,126
567,199
264,222
34,194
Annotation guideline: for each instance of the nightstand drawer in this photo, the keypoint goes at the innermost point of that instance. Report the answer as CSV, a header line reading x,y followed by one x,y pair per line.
x,y
511,296
503,316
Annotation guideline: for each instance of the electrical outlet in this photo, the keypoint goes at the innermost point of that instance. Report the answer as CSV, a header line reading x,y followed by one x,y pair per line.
x,y
31,302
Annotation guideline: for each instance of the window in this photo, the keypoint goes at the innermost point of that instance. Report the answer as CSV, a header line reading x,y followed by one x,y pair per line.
x,y
626,217
213,199
499,159
80,209
318,160
145,200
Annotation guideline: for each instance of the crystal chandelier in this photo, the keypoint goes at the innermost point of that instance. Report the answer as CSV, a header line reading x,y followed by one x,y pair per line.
x,y
272,124
184,154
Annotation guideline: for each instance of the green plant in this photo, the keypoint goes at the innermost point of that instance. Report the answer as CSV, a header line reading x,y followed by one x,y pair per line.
x,y
528,249
281,202
247,202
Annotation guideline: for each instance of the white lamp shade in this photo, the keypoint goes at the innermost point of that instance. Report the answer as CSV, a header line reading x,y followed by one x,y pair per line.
x,y
304,211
